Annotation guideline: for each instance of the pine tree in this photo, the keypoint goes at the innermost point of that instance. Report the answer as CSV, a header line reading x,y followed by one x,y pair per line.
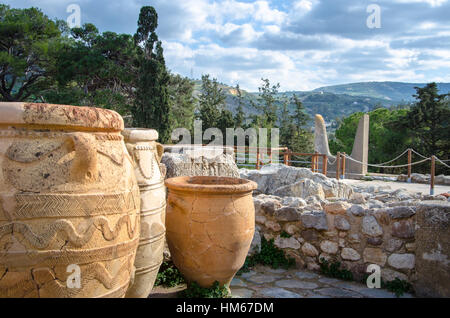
x,y
267,104
302,138
239,118
152,108
429,121
182,101
212,102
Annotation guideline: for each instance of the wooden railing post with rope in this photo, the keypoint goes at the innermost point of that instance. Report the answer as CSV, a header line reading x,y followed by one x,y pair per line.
x,y
409,165
338,165
433,169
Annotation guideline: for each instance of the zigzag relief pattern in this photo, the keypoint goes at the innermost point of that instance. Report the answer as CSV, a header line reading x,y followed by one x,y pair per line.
x,y
70,205
68,232
55,286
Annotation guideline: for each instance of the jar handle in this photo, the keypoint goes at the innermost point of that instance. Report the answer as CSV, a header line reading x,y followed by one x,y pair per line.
x,y
84,167
159,151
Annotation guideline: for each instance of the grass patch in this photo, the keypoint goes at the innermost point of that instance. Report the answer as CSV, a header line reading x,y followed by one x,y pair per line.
x,y
270,255
194,290
397,286
169,276
334,270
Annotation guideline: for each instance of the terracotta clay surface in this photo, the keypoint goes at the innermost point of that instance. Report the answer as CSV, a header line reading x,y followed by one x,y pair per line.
x,y
210,225
69,202
146,153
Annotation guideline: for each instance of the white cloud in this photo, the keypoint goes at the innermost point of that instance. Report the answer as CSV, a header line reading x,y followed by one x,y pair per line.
x,y
433,3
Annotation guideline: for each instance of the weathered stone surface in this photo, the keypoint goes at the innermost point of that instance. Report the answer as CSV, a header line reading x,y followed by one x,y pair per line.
x,y
356,210
263,278
403,229
329,247
314,219
276,292
309,249
269,206
288,214
354,238
394,245
200,162
306,275
374,256
291,229
433,249
274,226
338,293
371,227
341,223
303,189
261,219
310,235
410,247
255,246
237,282
402,261
287,243
350,254
241,293
339,207
401,212
295,284
357,198
390,275
293,202
376,241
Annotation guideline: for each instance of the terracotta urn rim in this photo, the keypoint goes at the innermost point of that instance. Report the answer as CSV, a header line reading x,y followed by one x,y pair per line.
x,y
211,184
55,116
140,134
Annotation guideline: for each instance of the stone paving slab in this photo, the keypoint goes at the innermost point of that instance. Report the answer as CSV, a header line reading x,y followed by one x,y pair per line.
x,y
264,282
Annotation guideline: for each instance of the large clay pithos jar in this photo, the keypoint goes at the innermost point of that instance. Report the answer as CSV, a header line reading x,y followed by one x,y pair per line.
x,y
210,225
147,153
69,202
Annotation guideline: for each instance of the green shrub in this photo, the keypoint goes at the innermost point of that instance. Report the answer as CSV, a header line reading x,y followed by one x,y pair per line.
x,y
285,234
269,255
397,286
169,275
334,270
194,290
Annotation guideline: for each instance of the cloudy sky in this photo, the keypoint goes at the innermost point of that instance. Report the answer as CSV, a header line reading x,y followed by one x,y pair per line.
x,y
302,44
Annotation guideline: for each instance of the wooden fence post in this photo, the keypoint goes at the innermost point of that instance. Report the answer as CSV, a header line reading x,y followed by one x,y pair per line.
x,y
343,166
409,166
433,167
257,159
285,157
324,164
338,165
289,157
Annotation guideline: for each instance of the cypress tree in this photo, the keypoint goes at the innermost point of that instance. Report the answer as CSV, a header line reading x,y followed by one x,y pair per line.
x,y
152,107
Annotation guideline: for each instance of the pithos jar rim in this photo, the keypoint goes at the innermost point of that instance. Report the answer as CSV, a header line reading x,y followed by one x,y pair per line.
x,y
210,184
59,117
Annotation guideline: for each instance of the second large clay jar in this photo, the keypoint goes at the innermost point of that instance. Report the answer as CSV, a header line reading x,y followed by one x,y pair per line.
x,y
147,153
69,202
210,225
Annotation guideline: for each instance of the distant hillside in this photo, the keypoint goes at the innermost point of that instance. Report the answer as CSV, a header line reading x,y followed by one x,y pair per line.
x,y
335,101
392,91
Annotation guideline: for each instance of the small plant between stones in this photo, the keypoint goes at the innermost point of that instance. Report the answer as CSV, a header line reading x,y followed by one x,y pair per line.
x,y
334,270
397,286
270,255
285,234
194,290
169,275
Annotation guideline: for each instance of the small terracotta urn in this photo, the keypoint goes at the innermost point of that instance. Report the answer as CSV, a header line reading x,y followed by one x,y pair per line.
x,y
210,225
146,153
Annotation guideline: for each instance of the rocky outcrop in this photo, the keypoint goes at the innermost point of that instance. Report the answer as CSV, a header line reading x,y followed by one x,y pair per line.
x,y
282,180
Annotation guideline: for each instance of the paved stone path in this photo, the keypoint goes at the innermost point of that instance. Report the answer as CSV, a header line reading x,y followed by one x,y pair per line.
x,y
264,282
